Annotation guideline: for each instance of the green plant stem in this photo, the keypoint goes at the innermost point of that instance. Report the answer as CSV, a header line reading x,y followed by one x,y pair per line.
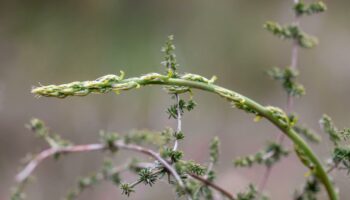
x,y
197,82
263,111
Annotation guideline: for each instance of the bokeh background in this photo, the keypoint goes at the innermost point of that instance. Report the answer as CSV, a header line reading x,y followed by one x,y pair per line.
x,y
62,41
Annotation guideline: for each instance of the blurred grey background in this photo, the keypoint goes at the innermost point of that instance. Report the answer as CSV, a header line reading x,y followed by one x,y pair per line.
x,y
62,41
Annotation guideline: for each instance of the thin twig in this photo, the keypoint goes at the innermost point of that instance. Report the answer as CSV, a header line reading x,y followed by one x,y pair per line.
x,y
333,167
213,185
104,177
210,167
156,156
179,122
30,167
27,171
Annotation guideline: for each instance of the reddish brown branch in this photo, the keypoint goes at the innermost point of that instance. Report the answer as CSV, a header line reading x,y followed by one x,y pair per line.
x,y
156,156
27,171
30,167
213,185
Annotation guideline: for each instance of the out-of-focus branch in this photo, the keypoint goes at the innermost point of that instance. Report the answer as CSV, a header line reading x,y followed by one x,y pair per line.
x,y
30,167
213,185
290,100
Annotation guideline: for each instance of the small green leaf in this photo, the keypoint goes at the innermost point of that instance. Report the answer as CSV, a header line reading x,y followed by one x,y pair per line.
x,y
126,189
291,32
302,9
147,176
109,140
329,128
309,134
287,77
214,150
272,153
310,190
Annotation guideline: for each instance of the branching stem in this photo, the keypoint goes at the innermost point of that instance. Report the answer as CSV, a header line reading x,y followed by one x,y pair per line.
x,y
27,171
290,100
274,115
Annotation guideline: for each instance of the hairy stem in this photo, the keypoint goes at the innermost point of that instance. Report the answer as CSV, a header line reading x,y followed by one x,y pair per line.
x,y
272,114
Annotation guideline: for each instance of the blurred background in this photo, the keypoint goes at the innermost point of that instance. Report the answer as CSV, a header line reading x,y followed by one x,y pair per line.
x,y
62,41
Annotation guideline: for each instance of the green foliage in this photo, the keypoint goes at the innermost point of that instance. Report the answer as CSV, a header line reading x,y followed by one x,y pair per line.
x,y
170,57
195,177
126,189
88,181
174,155
214,150
17,192
287,76
341,158
109,140
38,127
269,156
147,176
182,105
291,32
302,9
110,172
211,175
101,85
309,191
335,135
179,135
107,173
345,134
199,190
192,187
194,168
158,139
341,151
309,134
186,167
41,131
206,193
17,195
250,194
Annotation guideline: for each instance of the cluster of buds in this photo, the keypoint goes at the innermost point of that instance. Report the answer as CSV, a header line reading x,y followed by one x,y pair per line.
x,y
103,84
